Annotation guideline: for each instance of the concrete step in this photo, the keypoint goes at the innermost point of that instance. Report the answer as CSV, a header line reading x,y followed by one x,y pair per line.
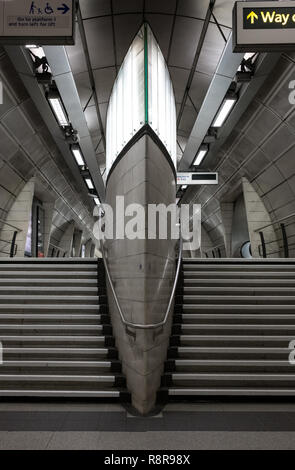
x,y
64,367
51,308
188,274
238,299
62,393
47,318
238,261
58,364
238,308
52,353
62,267
254,340
237,318
48,274
53,340
278,329
43,282
236,291
245,267
49,260
234,378
237,352
236,282
52,329
73,291
230,365
230,391
56,378
51,299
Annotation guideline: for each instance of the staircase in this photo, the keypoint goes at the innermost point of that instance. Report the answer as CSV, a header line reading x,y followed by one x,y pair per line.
x,y
55,330
233,323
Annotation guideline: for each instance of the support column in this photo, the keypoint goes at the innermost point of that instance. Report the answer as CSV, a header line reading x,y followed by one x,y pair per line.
x,y
88,248
19,216
92,250
67,239
49,210
257,217
77,243
206,243
227,211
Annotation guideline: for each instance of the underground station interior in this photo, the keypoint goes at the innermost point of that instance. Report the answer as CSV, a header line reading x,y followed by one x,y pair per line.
x,y
147,225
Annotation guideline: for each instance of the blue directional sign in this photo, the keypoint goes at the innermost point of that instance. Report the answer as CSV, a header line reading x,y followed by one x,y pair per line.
x,y
44,22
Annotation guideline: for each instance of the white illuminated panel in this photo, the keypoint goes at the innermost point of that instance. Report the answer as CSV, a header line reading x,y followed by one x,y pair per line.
x,y
126,107
161,102
142,94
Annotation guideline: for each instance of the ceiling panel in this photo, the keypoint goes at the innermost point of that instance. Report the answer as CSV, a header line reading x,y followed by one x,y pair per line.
x,y
184,43
211,50
126,27
103,112
163,6
223,12
179,79
76,55
127,6
90,8
200,85
100,41
162,27
194,8
280,141
104,80
91,119
188,119
84,88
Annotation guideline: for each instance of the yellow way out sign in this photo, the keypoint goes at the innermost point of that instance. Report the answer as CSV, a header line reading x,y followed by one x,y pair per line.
x,y
260,18
264,26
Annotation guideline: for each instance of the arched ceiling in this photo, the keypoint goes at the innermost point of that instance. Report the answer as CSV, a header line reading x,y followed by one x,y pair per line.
x,y
109,27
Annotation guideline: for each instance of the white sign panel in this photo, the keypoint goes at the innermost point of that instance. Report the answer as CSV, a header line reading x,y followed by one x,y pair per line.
x,y
37,21
197,178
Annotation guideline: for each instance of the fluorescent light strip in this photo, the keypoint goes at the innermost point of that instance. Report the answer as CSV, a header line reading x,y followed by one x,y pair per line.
x,y
78,156
89,183
200,157
57,108
184,186
97,201
224,111
248,55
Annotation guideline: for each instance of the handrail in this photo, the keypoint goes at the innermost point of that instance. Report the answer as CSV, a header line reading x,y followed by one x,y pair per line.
x,y
216,246
140,325
275,222
57,247
12,226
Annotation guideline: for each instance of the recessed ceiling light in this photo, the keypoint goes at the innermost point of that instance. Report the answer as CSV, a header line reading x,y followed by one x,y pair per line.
x,y
89,183
78,156
58,108
224,110
203,150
